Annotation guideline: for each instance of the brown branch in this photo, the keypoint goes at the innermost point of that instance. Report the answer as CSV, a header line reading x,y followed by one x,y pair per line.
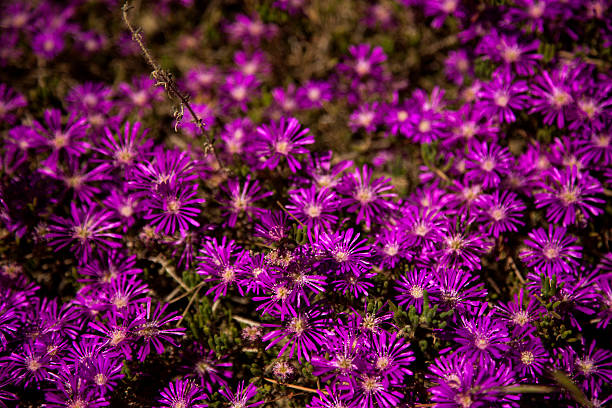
x,y
291,215
295,387
188,306
166,79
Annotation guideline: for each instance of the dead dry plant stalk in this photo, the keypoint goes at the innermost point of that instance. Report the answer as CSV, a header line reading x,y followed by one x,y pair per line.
x,y
165,78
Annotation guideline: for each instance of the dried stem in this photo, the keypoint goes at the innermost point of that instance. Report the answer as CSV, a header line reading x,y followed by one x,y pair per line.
x,y
188,306
289,214
166,79
169,270
295,387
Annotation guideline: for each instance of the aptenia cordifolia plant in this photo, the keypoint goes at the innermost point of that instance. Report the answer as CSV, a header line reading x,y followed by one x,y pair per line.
x,y
300,203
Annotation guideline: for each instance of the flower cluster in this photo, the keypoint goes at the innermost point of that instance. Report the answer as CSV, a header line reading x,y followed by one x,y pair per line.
x,y
361,229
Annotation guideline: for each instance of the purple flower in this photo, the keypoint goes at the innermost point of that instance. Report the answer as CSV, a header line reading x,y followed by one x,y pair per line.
x,y
71,391
66,138
486,163
78,178
593,366
241,199
205,365
412,288
567,193
250,30
367,197
48,43
117,332
519,315
502,95
513,55
201,79
163,173
254,63
373,391
283,139
104,370
551,253
604,316
303,333
314,208
531,358
174,209
364,61
182,394
458,289
272,226
394,244
332,397
313,94
140,95
29,364
86,227
552,96
482,337
346,250
10,101
500,212
240,399
238,90
125,152
222,263
391,356
598,148
367,116
323,173
237,136
462,249
152,329
459,383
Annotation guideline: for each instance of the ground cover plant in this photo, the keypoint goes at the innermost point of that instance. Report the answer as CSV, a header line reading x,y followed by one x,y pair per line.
x,y
305,203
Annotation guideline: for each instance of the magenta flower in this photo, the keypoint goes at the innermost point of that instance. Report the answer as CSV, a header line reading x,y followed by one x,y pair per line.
x,y
486,163
482,337
412,287
367,117
140,95
531,358
205,365
238,90
283,139
183,394
104,371
314,208
502,96
9,102
241,199
346,250
500,212
313,94
552,96
131,146
67,138
240,399
391,356
222,263
364,61
174,209
87,227
154,329
567,193
367,197
551,253
304,333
